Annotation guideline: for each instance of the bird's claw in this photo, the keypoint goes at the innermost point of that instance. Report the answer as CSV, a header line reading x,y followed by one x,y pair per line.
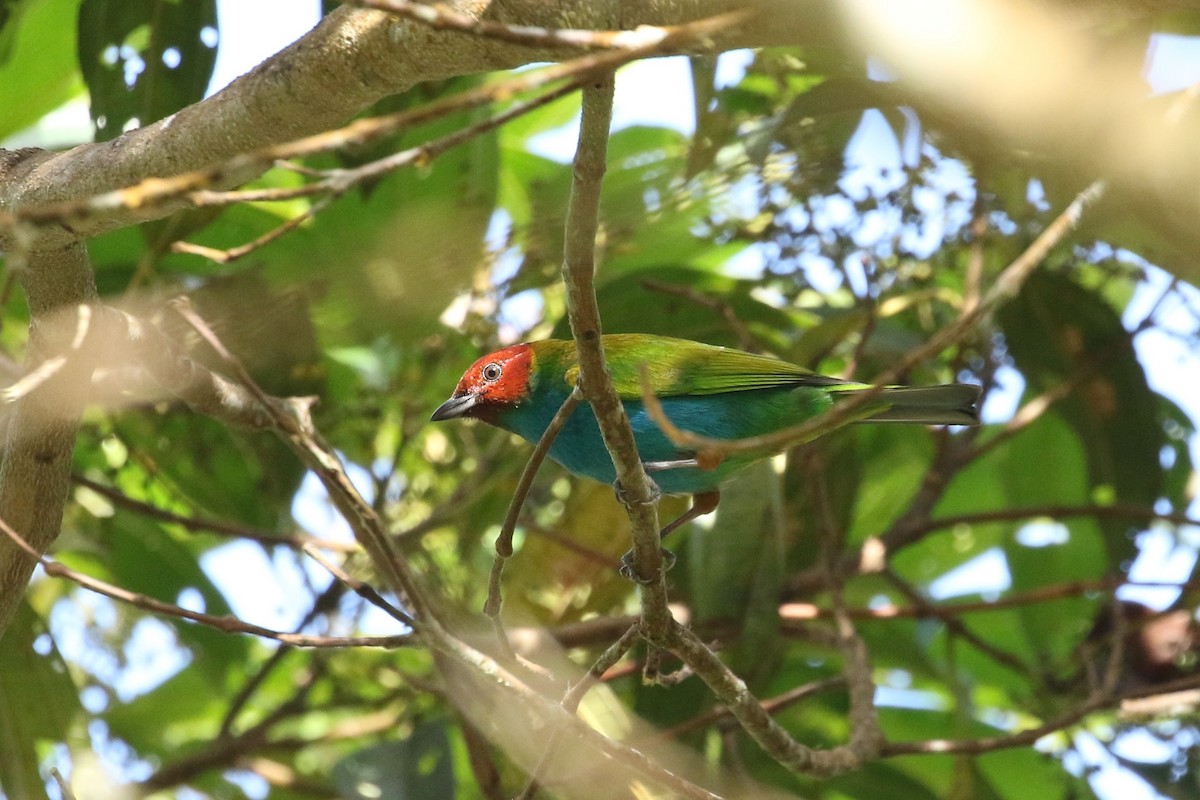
x,y
629,568
624,499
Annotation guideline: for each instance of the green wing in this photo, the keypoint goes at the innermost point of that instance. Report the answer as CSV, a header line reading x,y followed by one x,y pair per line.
x,y
681,367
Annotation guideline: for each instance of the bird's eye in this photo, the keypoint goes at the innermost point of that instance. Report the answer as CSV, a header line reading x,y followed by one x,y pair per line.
x,y
492,372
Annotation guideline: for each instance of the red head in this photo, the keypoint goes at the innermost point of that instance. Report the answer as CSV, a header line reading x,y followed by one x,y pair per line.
x,y
496,381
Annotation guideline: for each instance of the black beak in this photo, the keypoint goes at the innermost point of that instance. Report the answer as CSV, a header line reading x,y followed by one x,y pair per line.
x,y
457,406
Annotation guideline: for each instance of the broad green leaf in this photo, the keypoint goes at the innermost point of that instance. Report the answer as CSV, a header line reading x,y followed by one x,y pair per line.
x,y
181,714
688,304
38,69
412,768
735,567
1055,328
144,59
38,703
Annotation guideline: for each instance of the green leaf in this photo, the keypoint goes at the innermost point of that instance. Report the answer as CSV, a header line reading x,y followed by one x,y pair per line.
x,y
38,68
1054,328
689,304
181,713
38,702
417,767
898,456
144,59
735,568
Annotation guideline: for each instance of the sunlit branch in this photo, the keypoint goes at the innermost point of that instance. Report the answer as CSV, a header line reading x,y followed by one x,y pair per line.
x,y
336,182
155,196
574,696
443,17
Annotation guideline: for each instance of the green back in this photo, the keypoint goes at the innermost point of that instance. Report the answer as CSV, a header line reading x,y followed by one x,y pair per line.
x,y
677,367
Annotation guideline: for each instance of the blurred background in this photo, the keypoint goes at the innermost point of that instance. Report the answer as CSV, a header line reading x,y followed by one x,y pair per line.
x,y
829,203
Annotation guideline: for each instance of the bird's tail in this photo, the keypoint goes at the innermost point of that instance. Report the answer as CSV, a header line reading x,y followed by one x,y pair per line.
x,y
951,404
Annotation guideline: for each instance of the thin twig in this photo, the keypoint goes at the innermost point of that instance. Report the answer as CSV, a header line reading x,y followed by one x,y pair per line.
x,y
772,705
337,182
363,590
234,253
504,546
225,624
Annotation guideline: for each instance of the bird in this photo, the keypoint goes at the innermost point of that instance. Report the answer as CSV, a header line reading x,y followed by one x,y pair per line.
x,y
717,392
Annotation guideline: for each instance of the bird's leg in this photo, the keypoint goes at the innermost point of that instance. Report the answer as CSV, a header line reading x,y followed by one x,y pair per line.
x,y
703,460
702,503
679,463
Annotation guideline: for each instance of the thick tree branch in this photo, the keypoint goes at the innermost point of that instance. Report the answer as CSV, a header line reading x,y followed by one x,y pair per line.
x,y
352,59
35,469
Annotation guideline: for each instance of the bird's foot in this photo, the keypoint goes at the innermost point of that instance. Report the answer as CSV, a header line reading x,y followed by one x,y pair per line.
x,y
624,499
629,569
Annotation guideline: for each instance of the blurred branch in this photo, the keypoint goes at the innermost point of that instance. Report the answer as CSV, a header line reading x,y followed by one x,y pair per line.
x,y
1133,513
226,751
955,626
990,744
224,624
574,696
35,466
1063,86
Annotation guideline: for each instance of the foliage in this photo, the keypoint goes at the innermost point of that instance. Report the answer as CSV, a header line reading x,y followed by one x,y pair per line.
x,y
758,232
